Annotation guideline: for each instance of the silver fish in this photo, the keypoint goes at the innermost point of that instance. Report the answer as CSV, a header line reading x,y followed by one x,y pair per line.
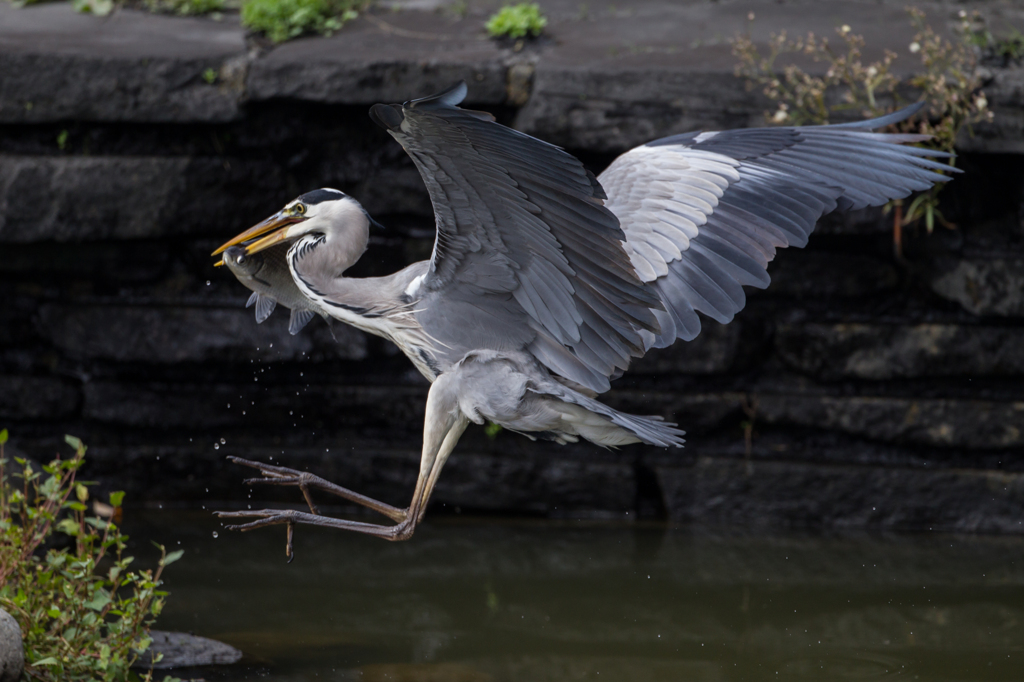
x,y
266,274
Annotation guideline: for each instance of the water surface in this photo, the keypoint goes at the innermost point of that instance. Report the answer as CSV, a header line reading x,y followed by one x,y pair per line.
x,y
476,600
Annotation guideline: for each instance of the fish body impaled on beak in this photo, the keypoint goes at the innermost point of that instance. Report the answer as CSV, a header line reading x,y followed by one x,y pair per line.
x,y
266,275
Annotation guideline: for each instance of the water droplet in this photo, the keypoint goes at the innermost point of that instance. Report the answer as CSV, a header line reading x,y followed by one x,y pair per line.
x,y
214,535
207,282
243,411
291,412
207,490
222,441
216,446
229,406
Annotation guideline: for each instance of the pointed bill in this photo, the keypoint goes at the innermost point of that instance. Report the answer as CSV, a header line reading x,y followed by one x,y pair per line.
x,y
274,222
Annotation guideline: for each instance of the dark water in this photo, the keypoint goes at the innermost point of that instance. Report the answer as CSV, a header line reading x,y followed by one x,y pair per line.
x,y
470,600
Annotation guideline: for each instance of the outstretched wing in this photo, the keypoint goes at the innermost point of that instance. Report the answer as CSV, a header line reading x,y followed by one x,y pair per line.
x,y
703,213
521,222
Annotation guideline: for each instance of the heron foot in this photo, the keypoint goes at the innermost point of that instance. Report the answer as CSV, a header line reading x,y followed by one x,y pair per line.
x,y
305,481
261,518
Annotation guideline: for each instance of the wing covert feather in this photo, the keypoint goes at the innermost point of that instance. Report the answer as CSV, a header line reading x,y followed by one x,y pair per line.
x,y
518,217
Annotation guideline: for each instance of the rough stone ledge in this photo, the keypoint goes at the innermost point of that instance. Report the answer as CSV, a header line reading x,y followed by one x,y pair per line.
x,y
606,82
195,407
131,66
80,198
932,422
187,334
878,351
784,494
983,286
37,398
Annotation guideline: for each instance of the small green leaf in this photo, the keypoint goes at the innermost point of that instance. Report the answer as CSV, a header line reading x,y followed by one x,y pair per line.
x,y
99,524
116,498
49,660
76,443
81,492
3,436
98,601
172,557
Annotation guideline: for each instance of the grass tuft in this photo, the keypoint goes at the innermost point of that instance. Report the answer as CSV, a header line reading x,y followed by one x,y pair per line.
x,y
517,21
283,20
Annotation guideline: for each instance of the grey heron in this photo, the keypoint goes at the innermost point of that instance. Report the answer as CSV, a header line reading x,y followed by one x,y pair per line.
x,y
546,281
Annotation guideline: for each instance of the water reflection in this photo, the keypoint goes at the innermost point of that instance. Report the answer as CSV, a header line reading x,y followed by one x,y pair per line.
x,y
506,601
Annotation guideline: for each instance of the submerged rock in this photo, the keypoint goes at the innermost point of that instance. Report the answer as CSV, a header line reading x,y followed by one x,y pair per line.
x,y
182,650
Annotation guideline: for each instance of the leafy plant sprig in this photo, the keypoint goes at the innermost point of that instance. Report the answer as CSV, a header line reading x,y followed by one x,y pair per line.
x,y
84,614
517,21
283,20
948,80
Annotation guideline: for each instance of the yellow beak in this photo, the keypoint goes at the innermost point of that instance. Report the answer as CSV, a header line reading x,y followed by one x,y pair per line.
x,y
274,222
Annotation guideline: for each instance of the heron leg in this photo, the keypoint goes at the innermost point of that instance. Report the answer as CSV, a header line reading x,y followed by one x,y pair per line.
x,y
442,428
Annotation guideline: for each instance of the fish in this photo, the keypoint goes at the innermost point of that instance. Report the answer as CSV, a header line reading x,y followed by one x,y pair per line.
x,y
266,273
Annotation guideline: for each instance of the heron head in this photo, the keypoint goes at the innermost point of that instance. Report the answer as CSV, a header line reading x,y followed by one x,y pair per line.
x,y
330,213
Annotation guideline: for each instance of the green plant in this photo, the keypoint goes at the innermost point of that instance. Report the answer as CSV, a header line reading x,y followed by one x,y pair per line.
x,y
1004,50
100,8
283,20
517,21
184,7
77,617
947,80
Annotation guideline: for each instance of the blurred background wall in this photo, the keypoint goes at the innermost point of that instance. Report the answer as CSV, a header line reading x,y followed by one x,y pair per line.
x,y
859,390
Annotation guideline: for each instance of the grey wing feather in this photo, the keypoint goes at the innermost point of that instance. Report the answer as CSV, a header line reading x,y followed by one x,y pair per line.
x,y
704,212
520,219
264,306
299,319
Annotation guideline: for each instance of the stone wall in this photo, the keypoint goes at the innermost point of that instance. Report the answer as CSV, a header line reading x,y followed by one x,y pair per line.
x,y
859,390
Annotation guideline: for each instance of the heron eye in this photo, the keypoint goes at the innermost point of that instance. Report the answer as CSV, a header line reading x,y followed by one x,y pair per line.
x,y
300,209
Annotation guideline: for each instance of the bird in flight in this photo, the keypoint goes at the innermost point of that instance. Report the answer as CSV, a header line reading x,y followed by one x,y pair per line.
x,y
546,281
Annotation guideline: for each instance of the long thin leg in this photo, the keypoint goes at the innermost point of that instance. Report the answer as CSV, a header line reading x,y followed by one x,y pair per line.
x,y
442,427
275,475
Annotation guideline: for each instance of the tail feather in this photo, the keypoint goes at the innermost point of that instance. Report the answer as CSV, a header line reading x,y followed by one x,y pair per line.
x,y
604,425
